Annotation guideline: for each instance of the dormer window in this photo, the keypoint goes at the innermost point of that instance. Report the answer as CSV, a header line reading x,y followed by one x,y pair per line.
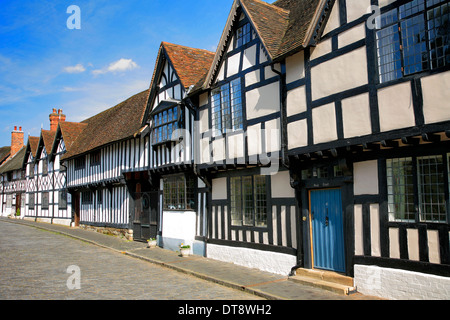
x,y
243,35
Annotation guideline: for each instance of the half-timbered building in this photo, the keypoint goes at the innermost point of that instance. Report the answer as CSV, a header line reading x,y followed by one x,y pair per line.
x,y
350,105
367,125
12,177
316,137
252,211
96,154
175,186
46,199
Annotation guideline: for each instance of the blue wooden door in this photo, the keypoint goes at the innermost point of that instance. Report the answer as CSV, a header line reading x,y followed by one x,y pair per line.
x,y
327,230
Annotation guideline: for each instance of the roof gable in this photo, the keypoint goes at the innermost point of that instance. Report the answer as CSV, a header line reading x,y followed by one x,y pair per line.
x,y
46,140
189,64
284,27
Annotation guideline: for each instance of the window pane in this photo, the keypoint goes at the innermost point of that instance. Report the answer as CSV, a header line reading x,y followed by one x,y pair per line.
x,y
410,8
248,201
236,201
389,54
414,45
439,35
260,201
226,107
216,115
236,104
243,35
400,181
432,205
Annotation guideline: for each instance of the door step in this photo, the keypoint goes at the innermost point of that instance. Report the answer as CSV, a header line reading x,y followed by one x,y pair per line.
x,y
326,280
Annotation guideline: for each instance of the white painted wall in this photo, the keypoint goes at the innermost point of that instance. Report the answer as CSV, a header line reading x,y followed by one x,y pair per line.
x,y
273,262
398,284
178,227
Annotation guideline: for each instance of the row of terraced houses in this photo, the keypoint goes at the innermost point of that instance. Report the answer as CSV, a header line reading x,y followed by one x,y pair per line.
x,y
315,137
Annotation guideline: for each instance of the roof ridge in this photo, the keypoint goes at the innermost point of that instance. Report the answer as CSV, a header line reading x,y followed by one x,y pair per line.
x,y
186,47
272,5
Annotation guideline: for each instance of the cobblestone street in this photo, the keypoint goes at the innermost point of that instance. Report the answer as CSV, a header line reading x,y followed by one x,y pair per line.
x,y
34,263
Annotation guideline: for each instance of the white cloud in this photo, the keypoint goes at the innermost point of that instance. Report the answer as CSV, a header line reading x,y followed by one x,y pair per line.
x,y
79,68
117,66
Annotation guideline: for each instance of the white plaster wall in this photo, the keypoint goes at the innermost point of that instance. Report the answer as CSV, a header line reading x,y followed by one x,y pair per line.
x,y
356,116
436,97
178,227
233,64
365,177
324,123
396,107
296,101
298,134
352,35
219,189
334,20
273,262
396,284
295,67
349,71
356,9
263,101
281,185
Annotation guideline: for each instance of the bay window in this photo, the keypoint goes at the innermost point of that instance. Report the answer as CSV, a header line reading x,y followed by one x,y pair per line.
x,y
164,124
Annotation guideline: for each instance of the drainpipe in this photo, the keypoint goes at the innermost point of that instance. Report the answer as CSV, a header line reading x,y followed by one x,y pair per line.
x,y
283,115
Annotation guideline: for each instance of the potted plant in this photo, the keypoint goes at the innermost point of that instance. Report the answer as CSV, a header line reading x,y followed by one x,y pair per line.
x,y
152,243
185,250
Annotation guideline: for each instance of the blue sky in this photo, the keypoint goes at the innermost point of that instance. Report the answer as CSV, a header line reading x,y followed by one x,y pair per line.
x,y
45,65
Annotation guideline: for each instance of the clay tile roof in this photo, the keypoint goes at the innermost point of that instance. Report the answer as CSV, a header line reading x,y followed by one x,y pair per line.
x,y
115,124
270,21
33,142
303,19
284,27
70,132
4,153
14,163
191,65
48,138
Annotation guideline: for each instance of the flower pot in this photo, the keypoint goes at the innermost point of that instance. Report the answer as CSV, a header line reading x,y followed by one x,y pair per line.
x,y
185,252
152,243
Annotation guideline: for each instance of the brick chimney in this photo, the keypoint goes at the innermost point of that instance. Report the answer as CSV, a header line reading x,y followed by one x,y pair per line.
x,y
16,141
55,118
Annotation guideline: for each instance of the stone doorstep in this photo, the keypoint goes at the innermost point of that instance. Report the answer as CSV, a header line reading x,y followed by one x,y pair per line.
x,y
326,280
